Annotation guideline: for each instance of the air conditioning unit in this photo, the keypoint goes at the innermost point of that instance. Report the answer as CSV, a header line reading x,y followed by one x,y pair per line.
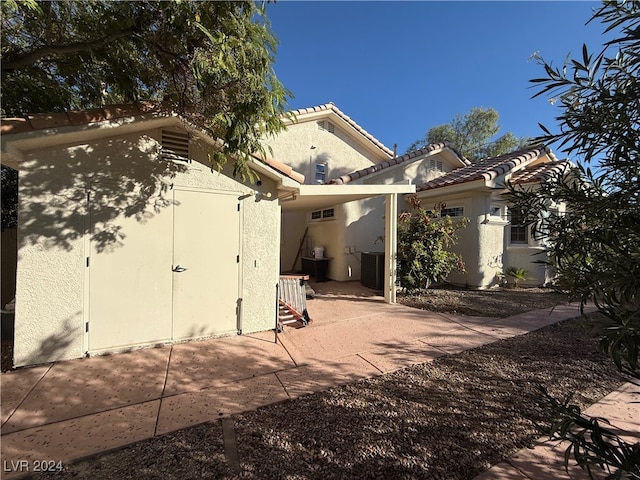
x,y
372,270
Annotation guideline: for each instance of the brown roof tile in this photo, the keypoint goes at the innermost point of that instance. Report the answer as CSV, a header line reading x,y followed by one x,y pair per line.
x,y
331,107
487,169
388,163
539,172
48,120
41,121
281,167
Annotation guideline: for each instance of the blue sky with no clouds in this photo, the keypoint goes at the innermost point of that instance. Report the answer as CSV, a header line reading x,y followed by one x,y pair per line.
x,y
400,68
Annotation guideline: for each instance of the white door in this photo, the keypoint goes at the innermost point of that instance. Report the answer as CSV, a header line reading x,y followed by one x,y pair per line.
x,y
206,242
129,272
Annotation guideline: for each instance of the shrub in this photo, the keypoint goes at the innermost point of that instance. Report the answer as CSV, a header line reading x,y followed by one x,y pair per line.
x,y
423,240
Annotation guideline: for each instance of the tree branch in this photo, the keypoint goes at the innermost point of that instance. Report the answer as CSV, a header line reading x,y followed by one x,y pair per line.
x,y
29,58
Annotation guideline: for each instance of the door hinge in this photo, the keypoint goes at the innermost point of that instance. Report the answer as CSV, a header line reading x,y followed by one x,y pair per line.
x,y
86,327
238,207
237,258
88,261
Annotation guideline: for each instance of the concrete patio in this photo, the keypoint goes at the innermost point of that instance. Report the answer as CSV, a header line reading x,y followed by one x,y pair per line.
x,y
70,410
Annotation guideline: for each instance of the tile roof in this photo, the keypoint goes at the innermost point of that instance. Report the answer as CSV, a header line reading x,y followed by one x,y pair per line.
x,y
41,121
330,107
434,147
486,169
539,172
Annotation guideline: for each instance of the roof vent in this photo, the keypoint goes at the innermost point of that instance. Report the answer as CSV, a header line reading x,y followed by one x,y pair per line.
x,y
175,145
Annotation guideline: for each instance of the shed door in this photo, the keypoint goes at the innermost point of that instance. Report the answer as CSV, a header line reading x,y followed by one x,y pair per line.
x,y
206,239
129,272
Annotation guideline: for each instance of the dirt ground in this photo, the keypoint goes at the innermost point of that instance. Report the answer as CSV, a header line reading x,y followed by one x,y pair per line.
x,y
498,302
451,418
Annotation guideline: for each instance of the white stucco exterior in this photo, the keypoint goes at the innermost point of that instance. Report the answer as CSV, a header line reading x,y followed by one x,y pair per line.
x,y
485,244
357,226
104,190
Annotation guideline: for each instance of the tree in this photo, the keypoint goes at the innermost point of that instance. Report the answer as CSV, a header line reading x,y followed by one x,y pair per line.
x,y
9,198
595,245
212,58
472,134
423,239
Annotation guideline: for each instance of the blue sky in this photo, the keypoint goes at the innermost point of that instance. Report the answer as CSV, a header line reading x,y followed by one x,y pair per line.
x,y
400,68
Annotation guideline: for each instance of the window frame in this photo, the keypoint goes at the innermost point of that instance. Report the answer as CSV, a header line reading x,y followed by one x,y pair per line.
x,y
323,173
322,215
518,232
459,213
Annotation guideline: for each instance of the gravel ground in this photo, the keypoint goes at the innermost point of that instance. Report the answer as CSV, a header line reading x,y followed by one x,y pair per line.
x,y
451,418
499,302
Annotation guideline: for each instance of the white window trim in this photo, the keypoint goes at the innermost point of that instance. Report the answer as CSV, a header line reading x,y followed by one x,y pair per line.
x,y
325,173
326,215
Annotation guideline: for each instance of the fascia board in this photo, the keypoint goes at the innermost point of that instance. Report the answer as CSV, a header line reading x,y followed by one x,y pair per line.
x,y
314,197
453,189
375,189
74,135
282,180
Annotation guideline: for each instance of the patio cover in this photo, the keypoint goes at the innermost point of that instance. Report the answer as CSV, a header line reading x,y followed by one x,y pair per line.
x,y
317,197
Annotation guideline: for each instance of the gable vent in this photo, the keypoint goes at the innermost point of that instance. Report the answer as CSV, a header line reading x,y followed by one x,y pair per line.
x,y
327,126
175,145
435,165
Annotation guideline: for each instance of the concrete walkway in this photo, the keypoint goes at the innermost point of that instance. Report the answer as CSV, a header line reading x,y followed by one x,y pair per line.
x,y
69,410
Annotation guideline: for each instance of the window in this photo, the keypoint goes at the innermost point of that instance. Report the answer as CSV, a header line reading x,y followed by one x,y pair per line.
x,y
175,145
452,212
495,210
519,231
325,214
321,172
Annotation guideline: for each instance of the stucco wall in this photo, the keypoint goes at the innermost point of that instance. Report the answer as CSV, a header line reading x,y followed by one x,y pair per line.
x,y
341,153
53,234
484,244
525,256
480,243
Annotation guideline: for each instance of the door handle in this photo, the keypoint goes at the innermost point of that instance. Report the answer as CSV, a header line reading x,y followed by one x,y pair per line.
x,y
178,269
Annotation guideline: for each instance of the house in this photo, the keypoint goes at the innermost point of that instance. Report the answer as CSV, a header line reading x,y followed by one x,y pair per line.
x,y
329,147
128,238
495,240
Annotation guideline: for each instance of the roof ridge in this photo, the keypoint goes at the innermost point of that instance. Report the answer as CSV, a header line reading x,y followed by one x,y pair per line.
x,y
486,168
333,107
349,177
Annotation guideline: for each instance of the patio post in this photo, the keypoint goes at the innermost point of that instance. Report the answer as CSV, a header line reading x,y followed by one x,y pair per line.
x,y
390,246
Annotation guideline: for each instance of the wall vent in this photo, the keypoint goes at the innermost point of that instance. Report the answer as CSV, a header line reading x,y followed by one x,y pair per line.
x,y
175,145
326,126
